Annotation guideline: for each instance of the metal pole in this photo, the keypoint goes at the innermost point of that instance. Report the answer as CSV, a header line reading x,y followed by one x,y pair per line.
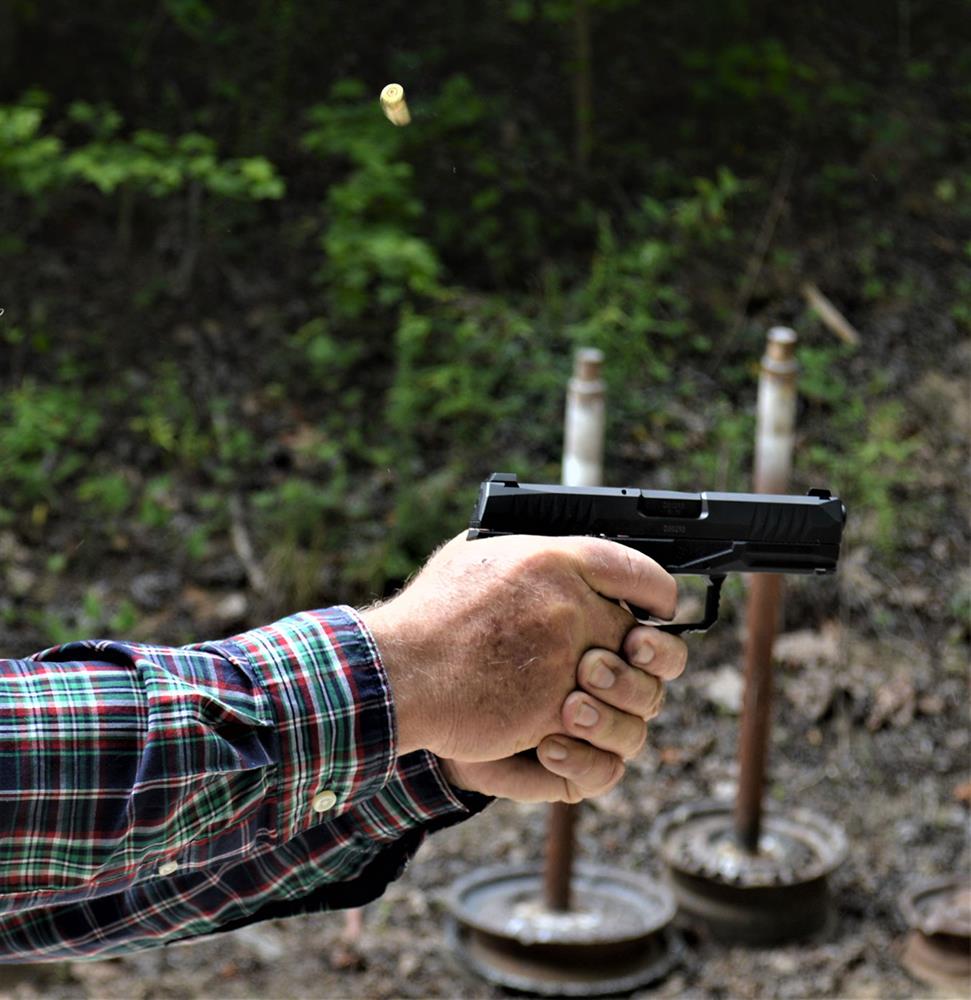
x,y
583,443
775,437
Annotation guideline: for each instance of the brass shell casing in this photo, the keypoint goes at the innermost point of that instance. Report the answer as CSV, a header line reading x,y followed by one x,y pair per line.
x,y
394,105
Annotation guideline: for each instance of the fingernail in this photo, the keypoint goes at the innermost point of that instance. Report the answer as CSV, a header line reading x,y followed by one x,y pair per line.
x,y
586,715
602,676
555,750
643,656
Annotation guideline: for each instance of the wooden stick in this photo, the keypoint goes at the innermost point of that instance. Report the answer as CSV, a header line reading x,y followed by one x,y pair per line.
x,y
244,546
830,316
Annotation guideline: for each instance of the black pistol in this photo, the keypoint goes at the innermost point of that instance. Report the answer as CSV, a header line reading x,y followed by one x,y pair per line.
x,y
709,534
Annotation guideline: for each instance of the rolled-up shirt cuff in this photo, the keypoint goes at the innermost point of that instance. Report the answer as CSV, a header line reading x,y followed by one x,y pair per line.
x,y
417,795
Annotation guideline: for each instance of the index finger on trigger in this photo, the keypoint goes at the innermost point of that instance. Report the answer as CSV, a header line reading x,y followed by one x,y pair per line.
x,y
622,573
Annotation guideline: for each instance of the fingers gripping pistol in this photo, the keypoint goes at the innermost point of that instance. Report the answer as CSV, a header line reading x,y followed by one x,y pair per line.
x,y
709,534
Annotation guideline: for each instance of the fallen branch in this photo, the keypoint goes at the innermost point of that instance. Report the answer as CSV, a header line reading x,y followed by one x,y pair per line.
x,y
244,547
830,316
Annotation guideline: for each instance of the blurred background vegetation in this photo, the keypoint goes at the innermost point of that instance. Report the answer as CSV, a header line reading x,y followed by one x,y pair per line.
x,y
259,346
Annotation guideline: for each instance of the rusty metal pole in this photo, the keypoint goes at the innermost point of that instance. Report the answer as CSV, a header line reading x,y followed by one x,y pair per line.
x,y
775,438
583,442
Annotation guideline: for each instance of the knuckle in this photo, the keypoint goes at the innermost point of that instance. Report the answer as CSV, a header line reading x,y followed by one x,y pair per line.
x,y
674,596
637,740
586,770
560,613
605,770
571,792
657,699
680,656
614,775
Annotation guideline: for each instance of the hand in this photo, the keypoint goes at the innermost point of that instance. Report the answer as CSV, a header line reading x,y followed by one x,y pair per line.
x,y
624,696
482,647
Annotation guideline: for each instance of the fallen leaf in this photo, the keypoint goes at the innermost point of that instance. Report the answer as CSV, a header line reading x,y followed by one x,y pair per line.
x,y
687,754
344,957
812,692
894,702
809,647
931,704
222,610
724,688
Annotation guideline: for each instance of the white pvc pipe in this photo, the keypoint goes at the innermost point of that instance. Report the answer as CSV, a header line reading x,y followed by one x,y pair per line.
x,y
776,429
585,421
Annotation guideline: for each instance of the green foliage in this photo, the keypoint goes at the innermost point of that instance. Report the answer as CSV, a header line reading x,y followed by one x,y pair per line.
x,y
330,358
95,616
109,493
156,505
722,457
34,163
404,322
822,374
867,455
45,433
29,161
633,304
304,519
166,417
753,71
194,17
373,256
460,370
160,166
305,513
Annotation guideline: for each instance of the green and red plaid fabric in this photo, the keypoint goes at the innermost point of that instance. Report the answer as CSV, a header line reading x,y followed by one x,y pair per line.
x,y
151,794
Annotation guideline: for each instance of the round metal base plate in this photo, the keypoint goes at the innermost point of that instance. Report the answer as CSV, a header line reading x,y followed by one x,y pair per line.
x,y
938,949
779,894
617,938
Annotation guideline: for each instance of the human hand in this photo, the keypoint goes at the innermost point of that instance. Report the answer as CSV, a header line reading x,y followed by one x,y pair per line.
x,y
482,647
586,757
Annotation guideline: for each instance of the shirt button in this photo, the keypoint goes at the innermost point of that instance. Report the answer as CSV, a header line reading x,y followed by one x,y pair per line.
x,y
323,801
168,867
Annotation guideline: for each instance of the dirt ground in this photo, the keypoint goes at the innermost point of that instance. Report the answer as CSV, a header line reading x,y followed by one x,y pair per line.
x,y
872,733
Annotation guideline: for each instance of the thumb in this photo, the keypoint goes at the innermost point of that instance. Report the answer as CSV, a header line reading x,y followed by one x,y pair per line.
x,y
623,573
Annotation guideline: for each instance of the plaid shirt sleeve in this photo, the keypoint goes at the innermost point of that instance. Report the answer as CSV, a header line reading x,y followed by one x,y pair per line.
x,y
121,763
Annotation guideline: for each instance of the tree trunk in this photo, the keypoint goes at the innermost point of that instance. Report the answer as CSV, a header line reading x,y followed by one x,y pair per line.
x,y
583,84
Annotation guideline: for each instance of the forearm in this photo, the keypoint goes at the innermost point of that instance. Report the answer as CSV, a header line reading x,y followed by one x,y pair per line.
x,y
118,762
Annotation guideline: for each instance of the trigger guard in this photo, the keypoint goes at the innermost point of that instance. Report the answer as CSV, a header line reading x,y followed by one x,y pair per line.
x,y
712,600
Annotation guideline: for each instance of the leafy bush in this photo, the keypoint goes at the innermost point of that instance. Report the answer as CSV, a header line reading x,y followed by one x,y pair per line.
x,y
373,256
46,433
866,454
35,162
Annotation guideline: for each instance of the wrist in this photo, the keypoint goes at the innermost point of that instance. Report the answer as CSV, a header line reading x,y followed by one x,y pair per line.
x,y
452,774
404,678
